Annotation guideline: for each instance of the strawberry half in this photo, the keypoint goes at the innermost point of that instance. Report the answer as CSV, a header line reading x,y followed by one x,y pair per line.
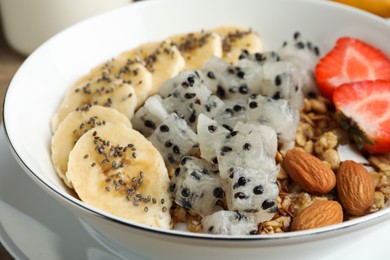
x,y
350,60
364,111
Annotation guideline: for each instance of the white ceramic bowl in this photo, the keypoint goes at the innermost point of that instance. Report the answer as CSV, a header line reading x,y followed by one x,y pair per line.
x,y
41,82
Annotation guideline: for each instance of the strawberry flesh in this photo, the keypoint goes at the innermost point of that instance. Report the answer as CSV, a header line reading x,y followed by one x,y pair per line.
x,y
350,60
367,105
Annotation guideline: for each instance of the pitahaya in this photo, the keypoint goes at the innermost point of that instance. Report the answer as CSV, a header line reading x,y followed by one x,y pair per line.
x,y
300,50
260,58
190,98
304,55
229,223
169,86
269,78
197,186
149,116
237,149
275,79
252,191
173,138
268,134
277,114
232,112
229,82
207,129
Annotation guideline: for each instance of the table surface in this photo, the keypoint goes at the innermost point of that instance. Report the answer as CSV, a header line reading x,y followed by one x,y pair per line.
x,y
9,63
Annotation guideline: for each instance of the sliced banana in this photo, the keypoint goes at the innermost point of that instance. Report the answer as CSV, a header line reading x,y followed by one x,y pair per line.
x,y
75,124
235,39
130,72
198,47
118,170
104,91
162,59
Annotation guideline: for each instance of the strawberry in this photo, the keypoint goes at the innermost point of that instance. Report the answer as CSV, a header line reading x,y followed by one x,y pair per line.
x,y
350,60
364,111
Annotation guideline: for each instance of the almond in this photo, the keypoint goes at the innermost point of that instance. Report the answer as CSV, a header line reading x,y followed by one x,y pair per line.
x,y
355,187
319,214
309,172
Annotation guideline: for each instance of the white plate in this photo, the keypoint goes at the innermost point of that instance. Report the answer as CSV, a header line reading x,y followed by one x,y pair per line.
x,y
34,226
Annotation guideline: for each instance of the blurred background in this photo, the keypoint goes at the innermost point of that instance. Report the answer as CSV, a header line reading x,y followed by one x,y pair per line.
x,y
378,7
25,24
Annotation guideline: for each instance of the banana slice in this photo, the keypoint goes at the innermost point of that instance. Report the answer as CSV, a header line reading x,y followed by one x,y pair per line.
x,y
105,91
162,59
197,48
130,72
75,124
118,170
235,39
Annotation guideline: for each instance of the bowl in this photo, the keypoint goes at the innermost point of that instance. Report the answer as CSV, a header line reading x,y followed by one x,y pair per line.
x,y
41,82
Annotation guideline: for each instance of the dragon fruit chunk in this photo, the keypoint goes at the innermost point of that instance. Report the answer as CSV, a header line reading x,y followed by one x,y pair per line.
x,y
300,50
169,86
260,58
277,114
149,116
268,134
229,223
190,98
275,79
242,150
232,112
229,81
304,55
197,186
173,138
207,129
252,191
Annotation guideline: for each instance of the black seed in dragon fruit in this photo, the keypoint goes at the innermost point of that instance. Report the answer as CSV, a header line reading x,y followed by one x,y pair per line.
x,y
304,55
149,116
237,149
197,186
229,223
207,129
173,138
252,191
190,98
277,114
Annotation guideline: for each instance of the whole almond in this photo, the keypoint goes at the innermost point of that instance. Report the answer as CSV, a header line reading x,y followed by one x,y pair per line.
x,y
318,214
309,172
355,187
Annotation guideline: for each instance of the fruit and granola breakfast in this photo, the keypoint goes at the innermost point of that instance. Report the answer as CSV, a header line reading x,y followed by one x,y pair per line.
x,y
208,129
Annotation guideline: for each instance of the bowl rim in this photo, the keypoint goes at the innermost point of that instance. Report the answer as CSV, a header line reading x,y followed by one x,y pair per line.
x,y
78,204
